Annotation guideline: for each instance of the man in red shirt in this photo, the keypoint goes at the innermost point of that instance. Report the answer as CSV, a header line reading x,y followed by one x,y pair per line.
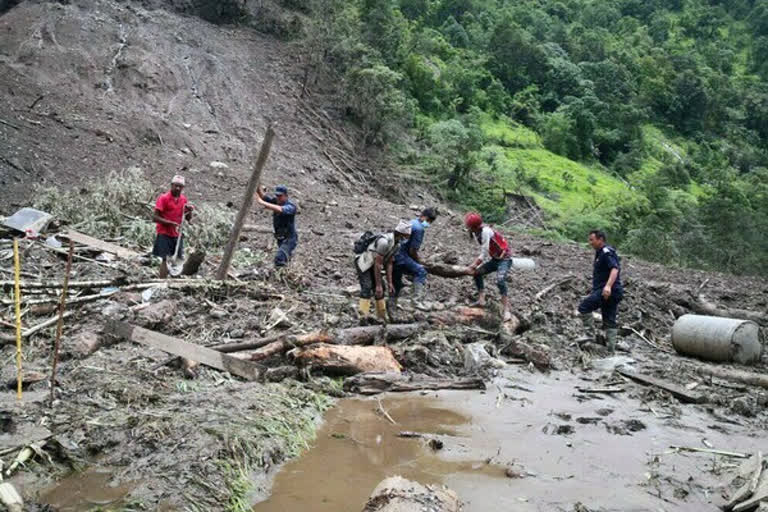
x,y
170,208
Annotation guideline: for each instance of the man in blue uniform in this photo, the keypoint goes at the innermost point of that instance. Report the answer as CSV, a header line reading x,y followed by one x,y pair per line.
x,y
607,291
283,222
408,261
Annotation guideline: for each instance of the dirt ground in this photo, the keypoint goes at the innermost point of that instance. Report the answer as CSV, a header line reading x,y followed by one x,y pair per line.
x,y
99,86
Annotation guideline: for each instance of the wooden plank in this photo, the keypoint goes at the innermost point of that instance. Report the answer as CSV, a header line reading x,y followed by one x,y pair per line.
x,y
177,347
678,392
80,238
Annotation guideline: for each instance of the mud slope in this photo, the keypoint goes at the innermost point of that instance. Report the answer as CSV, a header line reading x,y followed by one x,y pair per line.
x,y
93,86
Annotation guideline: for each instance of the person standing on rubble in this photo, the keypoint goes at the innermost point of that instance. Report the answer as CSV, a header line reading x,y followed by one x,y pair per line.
x,y
408,261
607,290
494,256
378,255
170,208
283,222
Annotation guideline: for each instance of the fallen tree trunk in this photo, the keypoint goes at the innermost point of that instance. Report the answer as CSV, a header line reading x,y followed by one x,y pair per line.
x,y
704,307
350,336
228,348
396,494
346,359
373,383
191,351
751,379
445,270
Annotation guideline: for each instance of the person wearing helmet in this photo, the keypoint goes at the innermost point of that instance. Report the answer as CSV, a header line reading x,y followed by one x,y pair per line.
x,y
380,254
283,221
170,208
494,256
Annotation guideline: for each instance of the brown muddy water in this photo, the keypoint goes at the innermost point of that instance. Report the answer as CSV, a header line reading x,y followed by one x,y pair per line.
x,y
609,452
86,492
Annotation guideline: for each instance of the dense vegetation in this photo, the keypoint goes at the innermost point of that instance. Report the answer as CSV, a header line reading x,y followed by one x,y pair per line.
x,y
646,118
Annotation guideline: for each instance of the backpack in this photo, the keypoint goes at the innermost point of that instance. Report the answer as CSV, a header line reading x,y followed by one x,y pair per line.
x,y
498,246
365,240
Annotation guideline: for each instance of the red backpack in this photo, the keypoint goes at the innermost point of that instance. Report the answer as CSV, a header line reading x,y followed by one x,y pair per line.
x,y
498,246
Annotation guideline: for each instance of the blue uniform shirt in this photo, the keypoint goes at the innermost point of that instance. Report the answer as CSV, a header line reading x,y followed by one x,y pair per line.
x,y
417,237
283,223
606,259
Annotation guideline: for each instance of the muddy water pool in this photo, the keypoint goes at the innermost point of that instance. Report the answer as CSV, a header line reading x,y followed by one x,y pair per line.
x,y
609,452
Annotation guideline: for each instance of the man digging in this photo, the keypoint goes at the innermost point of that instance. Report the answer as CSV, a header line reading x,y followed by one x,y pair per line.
x,y
607,290
378,255
170,209
283,222
407,261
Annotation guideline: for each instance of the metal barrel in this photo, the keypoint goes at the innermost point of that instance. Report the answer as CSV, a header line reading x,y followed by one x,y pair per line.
x,y
717,339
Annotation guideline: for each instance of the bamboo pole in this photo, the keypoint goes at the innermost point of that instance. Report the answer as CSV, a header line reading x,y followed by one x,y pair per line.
x,y
60,324
17,301
234,236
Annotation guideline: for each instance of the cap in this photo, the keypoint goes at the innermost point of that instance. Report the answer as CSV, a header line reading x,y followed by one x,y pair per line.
x,y
281,190
403,227
178,180
430,213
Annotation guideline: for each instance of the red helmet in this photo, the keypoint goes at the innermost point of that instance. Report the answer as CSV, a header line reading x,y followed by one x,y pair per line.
x,y
473,220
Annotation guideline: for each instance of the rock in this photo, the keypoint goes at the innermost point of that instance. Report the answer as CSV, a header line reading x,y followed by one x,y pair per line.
x,y
85,343
743,406
158,314
115,311
281,373
396,494
218,165
218,313
237,334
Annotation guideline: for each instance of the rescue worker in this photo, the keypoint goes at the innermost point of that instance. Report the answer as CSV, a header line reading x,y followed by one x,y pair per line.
x,y
408,261
283,222
379,255
494,256
607,290
170,208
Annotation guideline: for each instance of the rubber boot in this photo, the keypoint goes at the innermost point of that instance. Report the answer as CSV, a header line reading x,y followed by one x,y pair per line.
x,y
610,339
419,297
381,309
364,308
506,314
588,322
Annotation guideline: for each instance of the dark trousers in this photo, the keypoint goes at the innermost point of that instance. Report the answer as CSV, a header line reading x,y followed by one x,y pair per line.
x,y
285,248
407,265
501,267
608,308
367,283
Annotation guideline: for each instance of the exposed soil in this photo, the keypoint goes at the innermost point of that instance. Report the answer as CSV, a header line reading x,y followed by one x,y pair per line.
x,y
95,86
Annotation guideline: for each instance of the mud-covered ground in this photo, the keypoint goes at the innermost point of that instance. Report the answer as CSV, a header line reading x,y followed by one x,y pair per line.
x,y
100,86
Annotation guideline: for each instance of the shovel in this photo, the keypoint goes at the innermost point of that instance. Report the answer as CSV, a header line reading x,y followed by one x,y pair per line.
x,y
176,264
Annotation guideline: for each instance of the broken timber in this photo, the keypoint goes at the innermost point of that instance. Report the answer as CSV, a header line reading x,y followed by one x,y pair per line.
x,y
373,383
678,392
175,346
100,245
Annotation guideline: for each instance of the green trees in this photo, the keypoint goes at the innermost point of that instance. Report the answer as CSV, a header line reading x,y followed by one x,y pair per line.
x,y
589,76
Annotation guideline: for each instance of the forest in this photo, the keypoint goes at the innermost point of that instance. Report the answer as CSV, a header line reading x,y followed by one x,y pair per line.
x,y
645,118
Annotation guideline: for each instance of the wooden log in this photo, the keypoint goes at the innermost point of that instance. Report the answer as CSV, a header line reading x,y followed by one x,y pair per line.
x,y
346,359
245,207
678,392
445,270
351,336
704,307
748,378
229,348
396,494
80,238
462,315
175,346
373,383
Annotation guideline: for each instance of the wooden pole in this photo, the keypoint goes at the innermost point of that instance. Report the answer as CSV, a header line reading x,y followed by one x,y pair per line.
x,y
17,301
60,324
234,236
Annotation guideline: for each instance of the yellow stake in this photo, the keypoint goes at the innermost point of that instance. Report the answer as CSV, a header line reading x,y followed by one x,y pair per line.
x,y
17,300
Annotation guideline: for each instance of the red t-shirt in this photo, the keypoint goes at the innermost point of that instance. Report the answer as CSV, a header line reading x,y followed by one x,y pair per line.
x,y
170,208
